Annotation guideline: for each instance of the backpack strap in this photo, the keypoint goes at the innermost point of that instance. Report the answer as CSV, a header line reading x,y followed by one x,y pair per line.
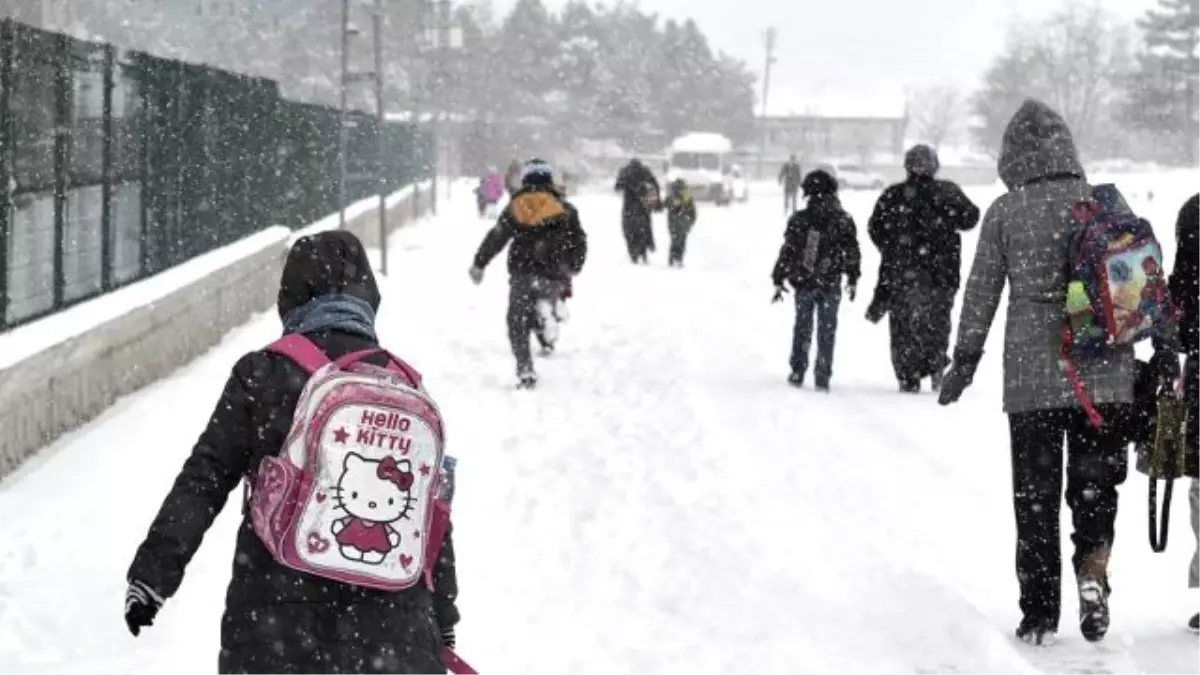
x,y
394,363
1081,394
304,352
455,664
438,525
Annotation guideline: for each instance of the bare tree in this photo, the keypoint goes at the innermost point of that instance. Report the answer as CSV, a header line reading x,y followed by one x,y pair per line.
x,y
937,114
1075,62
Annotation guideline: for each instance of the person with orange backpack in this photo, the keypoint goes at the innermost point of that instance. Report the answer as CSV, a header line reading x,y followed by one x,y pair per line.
x,y
344,560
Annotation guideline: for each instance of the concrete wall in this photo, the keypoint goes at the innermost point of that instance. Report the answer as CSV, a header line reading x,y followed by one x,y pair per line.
x,y
50,391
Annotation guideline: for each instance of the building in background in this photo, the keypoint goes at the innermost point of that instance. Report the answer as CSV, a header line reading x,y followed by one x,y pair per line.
x,y
824,128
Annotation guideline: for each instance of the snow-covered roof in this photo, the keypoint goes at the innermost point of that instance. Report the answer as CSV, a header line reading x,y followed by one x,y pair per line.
x,y
702,141
795,103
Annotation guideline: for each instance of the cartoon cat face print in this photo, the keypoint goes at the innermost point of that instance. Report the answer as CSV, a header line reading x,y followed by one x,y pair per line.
x,y
375,491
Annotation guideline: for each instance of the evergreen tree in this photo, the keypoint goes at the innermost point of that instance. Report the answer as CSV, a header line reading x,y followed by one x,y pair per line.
x,y
1161,94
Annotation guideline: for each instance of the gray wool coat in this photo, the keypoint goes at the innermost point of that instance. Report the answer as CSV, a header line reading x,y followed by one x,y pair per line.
x,y
1022,242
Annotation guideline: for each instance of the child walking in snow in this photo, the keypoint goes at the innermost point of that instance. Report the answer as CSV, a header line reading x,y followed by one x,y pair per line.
x,y
277,619
681,216
820,247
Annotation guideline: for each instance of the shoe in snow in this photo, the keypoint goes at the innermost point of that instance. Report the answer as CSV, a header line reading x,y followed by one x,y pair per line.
x,y
1036,631
1093,610
1194,624
526,378
796,379
910,387
822,386
547,350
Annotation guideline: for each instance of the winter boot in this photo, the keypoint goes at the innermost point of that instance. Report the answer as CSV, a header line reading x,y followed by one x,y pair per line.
x,y
796,379
1036,631
1092,578
1194,624
822,385
526,378
910,386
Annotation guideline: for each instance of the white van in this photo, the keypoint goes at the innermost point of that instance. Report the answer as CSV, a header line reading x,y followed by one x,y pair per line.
x,y
704,161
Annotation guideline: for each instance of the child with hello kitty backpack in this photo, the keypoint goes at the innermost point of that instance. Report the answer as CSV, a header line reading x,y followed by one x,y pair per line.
x,y
344,560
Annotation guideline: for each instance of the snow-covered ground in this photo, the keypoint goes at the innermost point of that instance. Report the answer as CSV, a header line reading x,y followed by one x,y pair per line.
x,y
664,502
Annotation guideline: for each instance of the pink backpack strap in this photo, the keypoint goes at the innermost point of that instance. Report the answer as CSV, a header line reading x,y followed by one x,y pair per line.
x,y
455,664
304,352
438,525
1081,394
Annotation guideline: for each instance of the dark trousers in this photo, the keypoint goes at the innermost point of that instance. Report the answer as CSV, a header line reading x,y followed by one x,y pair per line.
x,y
1096,465
524,292
915,338
789,202
940,320
679,235
820,304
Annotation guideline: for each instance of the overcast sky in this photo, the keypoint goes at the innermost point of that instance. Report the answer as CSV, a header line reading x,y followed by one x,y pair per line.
x,y
863,50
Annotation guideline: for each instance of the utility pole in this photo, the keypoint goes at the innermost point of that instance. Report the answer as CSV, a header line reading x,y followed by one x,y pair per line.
x,y
342,133
380,136
762,147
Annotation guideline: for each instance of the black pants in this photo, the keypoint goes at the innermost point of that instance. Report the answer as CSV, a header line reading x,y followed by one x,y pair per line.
x,y
679,235
1096,465
789,201
940,321
915,341
639,232
820,304
524,292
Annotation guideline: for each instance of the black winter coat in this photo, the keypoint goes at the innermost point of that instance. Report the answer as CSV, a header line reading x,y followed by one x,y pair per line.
x,y
1185,287
681,212
547,237
836,251
635,181
278,620
916,227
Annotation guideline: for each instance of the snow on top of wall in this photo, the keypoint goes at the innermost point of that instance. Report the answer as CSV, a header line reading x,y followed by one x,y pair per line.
x,y
24,341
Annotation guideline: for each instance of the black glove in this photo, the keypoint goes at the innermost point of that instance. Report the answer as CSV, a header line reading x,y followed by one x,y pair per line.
x,y
780,291
448,640
962,373
141,606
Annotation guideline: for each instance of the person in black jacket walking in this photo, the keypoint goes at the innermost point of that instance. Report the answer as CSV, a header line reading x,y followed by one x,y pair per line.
x,y
549,247
278,620
1185,293
789,178
641,196
820,246
681,216
916,226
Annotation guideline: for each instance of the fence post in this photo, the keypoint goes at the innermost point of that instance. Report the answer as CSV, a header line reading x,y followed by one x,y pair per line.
x,y
106,179
6,182
61,120
143,128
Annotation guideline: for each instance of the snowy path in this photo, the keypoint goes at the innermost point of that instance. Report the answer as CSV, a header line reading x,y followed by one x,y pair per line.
x,y
663,502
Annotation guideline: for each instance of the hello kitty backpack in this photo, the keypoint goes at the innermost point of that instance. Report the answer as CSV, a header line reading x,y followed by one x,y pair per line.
x,y
354,495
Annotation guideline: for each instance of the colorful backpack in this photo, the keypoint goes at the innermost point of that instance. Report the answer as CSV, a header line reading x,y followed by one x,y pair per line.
x,y
356,494
1116,285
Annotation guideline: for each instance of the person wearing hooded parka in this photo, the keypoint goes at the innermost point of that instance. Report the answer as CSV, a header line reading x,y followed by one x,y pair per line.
x,y
278,620
916,225
640,194
1023,244
1185,293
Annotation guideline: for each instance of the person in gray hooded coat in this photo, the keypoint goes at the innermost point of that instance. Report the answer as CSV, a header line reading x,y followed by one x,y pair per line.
x,y
1022,242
